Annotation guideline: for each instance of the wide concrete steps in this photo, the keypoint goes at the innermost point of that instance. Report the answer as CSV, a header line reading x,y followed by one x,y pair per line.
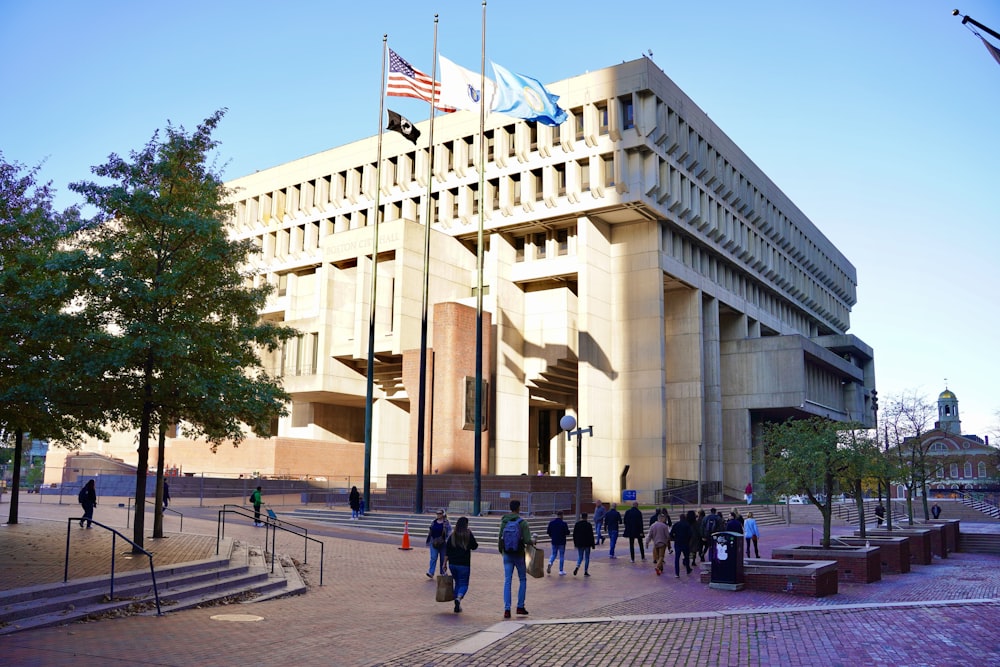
x,y
417,524
979,543
243,575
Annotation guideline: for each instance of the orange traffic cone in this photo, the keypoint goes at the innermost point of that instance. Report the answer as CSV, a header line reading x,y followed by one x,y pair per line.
x,y
406,537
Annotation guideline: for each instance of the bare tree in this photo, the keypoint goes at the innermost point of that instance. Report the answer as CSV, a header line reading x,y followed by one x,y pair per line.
x,y
906,418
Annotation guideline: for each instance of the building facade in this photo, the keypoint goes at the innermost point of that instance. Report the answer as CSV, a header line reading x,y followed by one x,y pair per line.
x,y
640,272
960,463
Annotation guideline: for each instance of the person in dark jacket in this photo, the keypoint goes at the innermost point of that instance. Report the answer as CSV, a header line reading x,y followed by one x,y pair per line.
x,y
88,499
680,533
734,525
696,544
558,531
612,522
634,530
599,511
461,543
437,537
583,540
354,500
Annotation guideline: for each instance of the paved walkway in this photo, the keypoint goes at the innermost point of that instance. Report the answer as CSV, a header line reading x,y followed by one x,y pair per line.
x,y
378,608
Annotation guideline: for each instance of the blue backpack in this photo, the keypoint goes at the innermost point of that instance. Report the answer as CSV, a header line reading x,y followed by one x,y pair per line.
x,y
512,542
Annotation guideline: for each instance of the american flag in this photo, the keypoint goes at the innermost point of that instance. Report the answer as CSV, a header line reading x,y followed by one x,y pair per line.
x,y
405,80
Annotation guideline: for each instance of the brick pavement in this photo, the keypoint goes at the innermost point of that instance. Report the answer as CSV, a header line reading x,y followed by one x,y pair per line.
x,y
377,608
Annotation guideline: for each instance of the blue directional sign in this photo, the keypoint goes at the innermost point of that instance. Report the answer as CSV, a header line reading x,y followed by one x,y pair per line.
x,y
628,495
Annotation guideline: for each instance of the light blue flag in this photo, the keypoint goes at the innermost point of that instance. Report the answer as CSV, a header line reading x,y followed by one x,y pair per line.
x,y
523,97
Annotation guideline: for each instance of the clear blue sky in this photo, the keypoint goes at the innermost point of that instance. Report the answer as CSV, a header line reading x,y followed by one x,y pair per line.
x,y
879,119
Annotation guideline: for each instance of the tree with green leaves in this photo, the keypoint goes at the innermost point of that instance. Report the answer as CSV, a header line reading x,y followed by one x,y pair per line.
x,y
41,389
805,456
862,459
181,335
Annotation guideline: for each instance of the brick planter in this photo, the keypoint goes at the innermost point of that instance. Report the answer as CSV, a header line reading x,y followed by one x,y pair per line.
x,y
862,565
920,542
894,551
795,577
951,532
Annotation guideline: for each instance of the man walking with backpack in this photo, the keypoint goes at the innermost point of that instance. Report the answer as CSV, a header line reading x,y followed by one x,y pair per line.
x,y
712,523
515,535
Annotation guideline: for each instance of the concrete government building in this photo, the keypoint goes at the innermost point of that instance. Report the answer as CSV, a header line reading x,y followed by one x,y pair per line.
x,y
640,272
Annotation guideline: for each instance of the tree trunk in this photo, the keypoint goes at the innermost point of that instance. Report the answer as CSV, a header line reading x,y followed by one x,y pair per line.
x,y
158,507
860,502
15,475
139,527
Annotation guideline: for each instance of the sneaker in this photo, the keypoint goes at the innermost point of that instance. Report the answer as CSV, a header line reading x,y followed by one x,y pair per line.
x,y
689,570
548,570
586,574
521,611
677,576
612,556
575,570
506,613
429,575
458,605
561,573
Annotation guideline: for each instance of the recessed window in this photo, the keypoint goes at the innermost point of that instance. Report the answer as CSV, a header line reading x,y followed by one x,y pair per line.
x,y
539,241
628,112
519,248
602,118
562,241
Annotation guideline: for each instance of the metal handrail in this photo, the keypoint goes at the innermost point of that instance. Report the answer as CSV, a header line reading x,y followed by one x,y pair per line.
x,y
115,535
239,510
128,510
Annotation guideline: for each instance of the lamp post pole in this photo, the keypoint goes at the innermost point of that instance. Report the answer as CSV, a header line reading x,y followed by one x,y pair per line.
x,y
568,423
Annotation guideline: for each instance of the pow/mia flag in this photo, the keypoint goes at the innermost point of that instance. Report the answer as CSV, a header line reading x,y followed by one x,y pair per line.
x,y
403,126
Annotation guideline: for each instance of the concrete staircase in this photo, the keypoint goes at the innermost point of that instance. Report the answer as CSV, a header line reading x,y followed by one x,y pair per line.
x,y
392,523
243,575
979,543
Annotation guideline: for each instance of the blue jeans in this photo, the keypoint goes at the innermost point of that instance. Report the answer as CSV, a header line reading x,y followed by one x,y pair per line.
x,y
558,550
461,574
613,536
437,555
511,561
583,556
599,524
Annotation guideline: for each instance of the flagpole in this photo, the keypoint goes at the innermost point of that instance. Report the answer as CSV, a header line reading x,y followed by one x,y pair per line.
x,y
478,423
370,370
428,219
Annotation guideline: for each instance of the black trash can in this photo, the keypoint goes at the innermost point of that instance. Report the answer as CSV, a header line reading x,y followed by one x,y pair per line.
x,y
727,561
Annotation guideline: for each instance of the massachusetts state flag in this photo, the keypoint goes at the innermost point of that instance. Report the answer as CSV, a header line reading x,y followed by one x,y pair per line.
x,y
462,88
406,80
524,97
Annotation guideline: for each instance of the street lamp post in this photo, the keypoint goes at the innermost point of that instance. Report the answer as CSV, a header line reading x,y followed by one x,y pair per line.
x,y
568,423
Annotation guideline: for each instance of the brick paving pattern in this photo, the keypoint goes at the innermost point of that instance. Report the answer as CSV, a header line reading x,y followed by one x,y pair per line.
x,y
378,608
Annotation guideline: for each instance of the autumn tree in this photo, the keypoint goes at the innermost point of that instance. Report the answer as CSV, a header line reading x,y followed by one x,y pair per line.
x,y
181,336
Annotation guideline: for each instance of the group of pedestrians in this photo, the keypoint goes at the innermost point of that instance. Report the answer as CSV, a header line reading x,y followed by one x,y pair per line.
x,y
689,539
